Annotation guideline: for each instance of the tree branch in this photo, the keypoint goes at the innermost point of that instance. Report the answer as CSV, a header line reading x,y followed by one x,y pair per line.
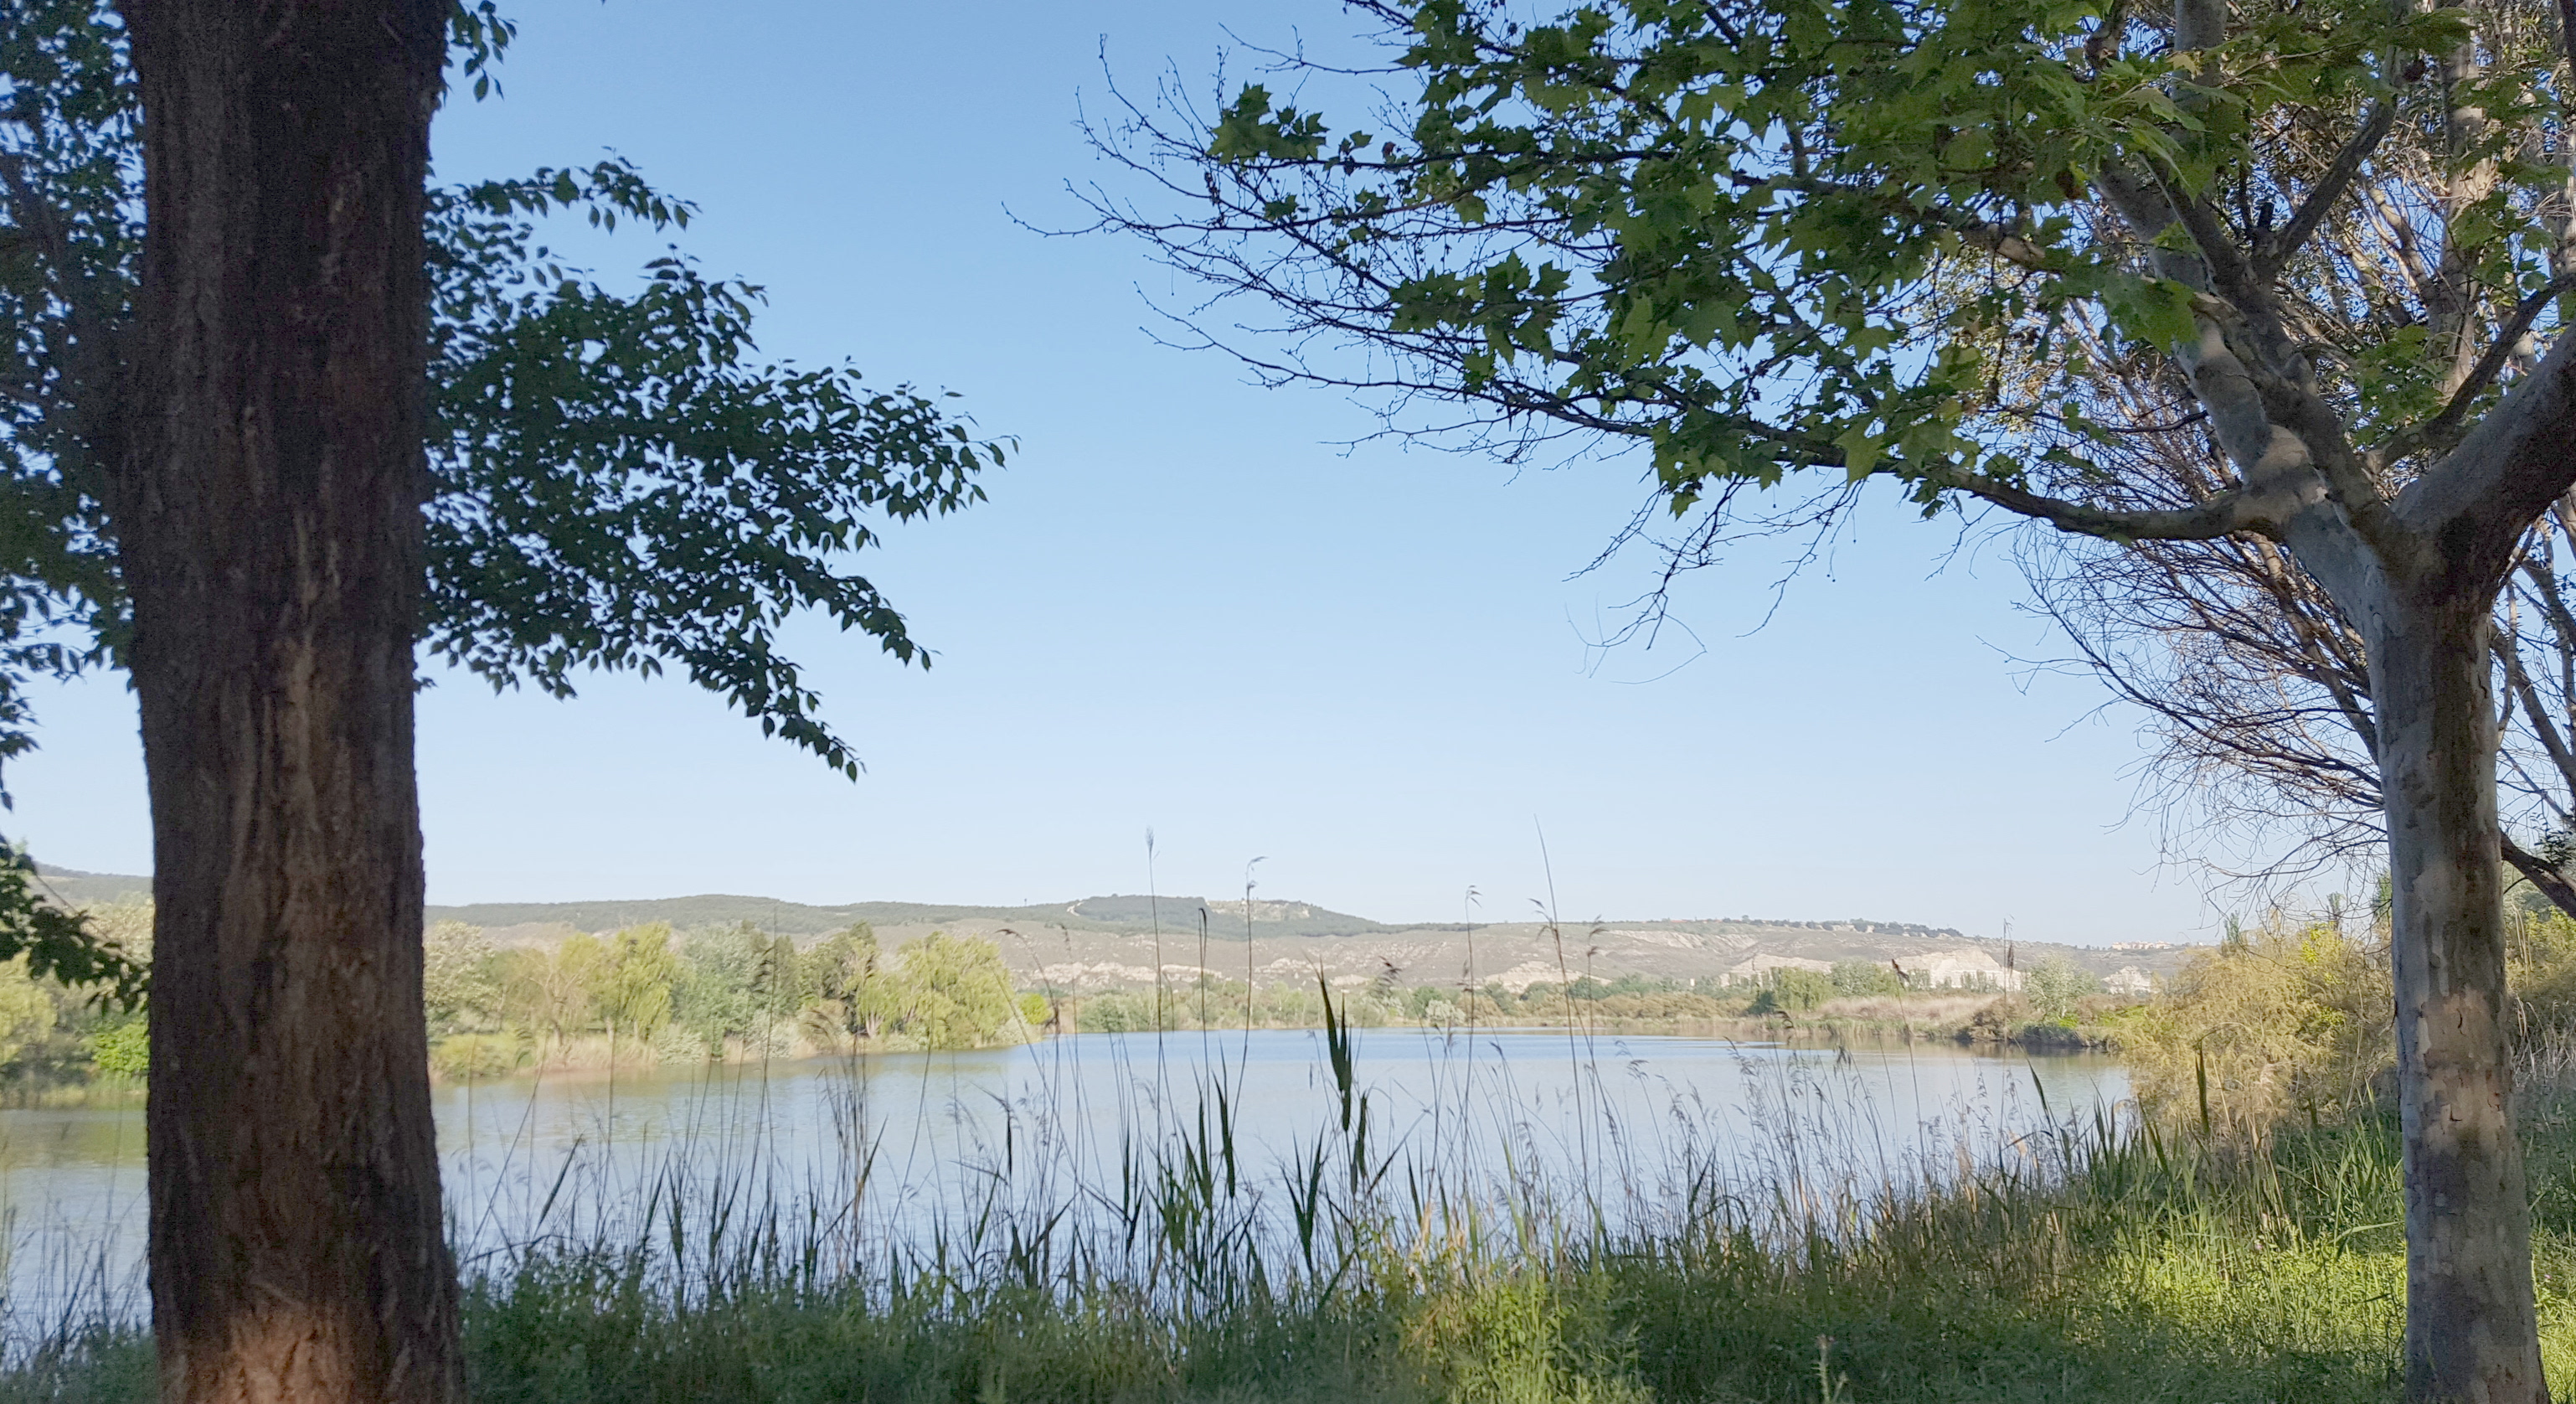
x,y
2238,509
2270,254
2535,870
2297,465
2518,685
2012,248
2475,504
2229,271
92,357
2440,432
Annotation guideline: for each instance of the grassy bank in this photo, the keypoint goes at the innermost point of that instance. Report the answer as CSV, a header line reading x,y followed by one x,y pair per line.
x,y
2099,1262
2154,1274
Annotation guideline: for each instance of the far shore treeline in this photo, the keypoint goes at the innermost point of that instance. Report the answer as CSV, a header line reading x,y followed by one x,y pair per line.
x,y
2287,1018
653,994
2277,1019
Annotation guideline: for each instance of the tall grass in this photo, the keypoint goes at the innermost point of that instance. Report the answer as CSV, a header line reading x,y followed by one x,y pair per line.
x,y
1475,1254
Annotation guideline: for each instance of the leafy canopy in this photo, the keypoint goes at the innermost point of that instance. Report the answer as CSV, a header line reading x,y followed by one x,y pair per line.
x,y
618,480
1885,237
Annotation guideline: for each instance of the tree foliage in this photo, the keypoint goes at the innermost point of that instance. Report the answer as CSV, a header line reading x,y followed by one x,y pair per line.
x,y
634,991
711,992
624,485
1866,977
458,979
1794,991
958,994
618,481
738,982
1890,239
2055,986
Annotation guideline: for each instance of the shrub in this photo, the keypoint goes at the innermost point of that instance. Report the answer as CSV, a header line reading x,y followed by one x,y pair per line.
x,y
467,1057
1794,991
2055,986
1118,1011
26,1011
2274,1022
1866,977
123,1049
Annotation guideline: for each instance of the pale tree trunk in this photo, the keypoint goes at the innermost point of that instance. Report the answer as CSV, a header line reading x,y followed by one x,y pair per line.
x,y
2418,573
268,512
2471,1330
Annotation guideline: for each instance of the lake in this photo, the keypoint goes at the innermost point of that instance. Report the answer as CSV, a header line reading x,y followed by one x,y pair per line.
x,y
923,1150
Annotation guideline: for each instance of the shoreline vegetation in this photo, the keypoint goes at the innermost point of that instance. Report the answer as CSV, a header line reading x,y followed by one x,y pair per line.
x,y
651,995
2231,1237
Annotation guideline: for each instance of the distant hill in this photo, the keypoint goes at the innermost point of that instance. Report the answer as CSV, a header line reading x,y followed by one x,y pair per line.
x,y
74,887
1179,915
1120,940
1117,914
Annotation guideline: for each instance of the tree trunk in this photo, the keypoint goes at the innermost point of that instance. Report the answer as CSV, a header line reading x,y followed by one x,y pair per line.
x,y
2471,1331
268,512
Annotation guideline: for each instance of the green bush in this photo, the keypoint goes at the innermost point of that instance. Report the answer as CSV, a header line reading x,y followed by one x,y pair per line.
x,y
1793,991
2055,986
2274,1023
123,1049
1866,977
468,1057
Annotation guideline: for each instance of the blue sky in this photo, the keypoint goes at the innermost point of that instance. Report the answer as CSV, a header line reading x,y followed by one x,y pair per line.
x,y
1187,606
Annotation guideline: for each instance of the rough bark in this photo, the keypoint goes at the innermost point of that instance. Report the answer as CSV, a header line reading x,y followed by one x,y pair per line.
x,y
2471,1330
268,512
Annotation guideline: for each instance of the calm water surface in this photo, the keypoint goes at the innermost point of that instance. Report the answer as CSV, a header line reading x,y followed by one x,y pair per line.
x,y
910,1142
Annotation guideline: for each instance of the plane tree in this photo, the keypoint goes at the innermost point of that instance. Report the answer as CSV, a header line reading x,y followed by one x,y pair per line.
x,y
276,416
1773,242
2266,763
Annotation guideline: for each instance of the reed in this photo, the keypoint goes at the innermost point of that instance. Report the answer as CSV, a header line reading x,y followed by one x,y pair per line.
x,y
1144,1252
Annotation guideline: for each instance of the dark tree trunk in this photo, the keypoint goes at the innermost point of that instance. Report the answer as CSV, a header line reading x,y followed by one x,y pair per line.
x,y
2471,1331
268,511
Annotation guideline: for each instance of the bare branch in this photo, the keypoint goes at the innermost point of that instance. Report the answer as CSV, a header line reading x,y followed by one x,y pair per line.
x,y
2518,683
2223,515
2270,254
2537,871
